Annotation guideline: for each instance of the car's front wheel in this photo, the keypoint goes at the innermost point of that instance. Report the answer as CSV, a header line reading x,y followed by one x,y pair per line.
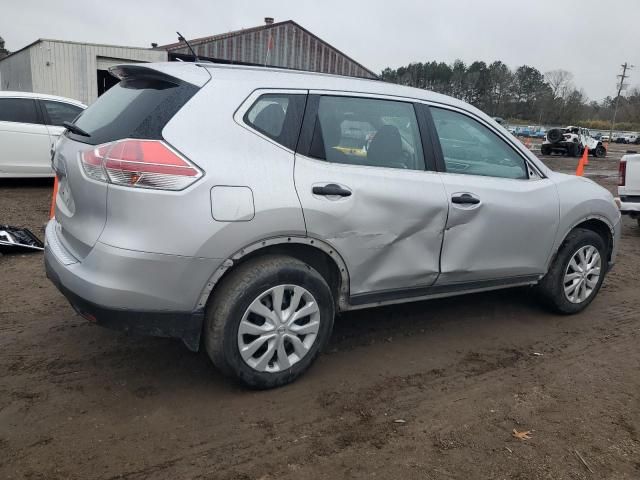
x,y
268,320
577,272
600,151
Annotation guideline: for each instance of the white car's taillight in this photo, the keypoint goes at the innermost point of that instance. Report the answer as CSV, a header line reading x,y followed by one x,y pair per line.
x,y
622,173
140,164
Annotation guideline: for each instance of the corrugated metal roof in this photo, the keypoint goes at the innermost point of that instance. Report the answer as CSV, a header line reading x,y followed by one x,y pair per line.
x,y
40,40
202,40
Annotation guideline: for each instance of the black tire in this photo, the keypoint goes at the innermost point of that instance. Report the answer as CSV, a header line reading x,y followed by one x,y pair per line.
x,y
231,300
545,150
555,135
600,151
573,150
551,287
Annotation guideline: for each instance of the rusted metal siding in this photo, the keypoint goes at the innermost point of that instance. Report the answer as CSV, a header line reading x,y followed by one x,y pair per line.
x,y
292,47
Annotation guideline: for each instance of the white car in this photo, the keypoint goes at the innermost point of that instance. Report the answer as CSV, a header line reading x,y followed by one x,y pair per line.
x,y
629,185
30,124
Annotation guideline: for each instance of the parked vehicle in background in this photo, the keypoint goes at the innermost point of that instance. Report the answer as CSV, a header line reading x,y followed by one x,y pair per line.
x,y
170,230
30,124
571,141
633,138
604,138
540,133
629,185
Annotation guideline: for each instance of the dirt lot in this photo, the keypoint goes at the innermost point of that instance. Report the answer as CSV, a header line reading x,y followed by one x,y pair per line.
x,y
429,390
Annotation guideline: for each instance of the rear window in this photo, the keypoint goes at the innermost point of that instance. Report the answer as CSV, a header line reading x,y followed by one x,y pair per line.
x,y
134,108
21,110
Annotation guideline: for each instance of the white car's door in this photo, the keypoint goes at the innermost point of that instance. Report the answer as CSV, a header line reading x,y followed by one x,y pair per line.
x,y
503,216
25,146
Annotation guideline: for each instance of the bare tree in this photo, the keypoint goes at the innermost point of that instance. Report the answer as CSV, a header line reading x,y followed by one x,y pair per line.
x,y
561,82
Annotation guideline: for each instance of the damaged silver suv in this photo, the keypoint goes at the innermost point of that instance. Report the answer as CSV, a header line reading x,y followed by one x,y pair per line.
x,y
240,208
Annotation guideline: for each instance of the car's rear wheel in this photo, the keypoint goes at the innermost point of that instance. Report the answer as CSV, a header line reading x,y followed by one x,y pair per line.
x,y
600,151
268,320
577,272
545,150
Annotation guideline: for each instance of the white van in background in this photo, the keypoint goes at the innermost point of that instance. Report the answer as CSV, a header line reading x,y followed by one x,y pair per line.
x,y
30,124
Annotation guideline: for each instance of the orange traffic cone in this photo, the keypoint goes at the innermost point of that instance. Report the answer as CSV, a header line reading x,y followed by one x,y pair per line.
x,y
52,210
583,161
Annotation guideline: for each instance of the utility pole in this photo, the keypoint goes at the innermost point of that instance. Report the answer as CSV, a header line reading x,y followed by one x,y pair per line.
x,y
621,86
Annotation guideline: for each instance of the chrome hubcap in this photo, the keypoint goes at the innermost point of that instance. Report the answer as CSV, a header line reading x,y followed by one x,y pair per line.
x,y
279,328
582,274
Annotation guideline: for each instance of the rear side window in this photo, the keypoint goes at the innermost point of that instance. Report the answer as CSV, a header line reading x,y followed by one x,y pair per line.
x,y
59,112
278,116
134,108
21,110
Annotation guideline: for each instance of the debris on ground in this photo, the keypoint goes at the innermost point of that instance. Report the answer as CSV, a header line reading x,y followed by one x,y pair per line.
x,y
14,239
522,435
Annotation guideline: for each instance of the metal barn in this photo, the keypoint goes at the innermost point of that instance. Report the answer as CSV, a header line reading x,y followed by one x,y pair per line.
x,y
69,69
284,44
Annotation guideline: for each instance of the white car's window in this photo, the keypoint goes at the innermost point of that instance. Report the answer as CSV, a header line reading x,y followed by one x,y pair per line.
x,y
22,110
60,112
364,131
471,148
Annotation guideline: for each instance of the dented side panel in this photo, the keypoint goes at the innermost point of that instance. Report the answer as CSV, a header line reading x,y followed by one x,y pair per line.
x,y
510,233
389,230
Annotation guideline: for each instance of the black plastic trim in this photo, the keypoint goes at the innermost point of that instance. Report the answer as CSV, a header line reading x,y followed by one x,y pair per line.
x,y
407,293
308,125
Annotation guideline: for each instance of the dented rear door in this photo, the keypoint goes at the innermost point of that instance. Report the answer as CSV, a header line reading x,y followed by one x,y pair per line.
x,y
386,220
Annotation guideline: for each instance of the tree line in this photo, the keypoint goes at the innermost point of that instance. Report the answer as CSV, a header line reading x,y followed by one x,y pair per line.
x,y
524,94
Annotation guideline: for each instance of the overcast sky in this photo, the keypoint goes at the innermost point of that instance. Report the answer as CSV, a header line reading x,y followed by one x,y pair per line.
x,y
579,36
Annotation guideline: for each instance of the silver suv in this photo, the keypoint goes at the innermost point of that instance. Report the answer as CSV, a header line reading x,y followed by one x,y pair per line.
x,y
242,207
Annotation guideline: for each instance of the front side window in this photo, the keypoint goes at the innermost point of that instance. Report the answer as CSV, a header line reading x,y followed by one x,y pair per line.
x,y
60,112
471,148
21,110
278,116
364,131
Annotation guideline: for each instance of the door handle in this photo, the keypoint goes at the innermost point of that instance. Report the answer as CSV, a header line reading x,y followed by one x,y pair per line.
x,y
465,199
331,190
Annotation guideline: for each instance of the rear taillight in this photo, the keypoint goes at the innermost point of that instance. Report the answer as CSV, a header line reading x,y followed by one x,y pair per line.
x,y
622,173
140,164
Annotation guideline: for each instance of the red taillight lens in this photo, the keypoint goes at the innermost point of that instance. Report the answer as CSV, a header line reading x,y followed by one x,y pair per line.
x,y
141,164
622,173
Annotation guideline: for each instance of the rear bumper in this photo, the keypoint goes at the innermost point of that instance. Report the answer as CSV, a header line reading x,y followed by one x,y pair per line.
x,y
629,208
136,292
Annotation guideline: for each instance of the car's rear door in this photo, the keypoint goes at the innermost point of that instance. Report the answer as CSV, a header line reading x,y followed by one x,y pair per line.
x,y
24,139
503,213
362,176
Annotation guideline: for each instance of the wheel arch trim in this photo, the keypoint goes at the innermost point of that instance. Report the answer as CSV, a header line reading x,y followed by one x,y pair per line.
x,y
230,262
572,226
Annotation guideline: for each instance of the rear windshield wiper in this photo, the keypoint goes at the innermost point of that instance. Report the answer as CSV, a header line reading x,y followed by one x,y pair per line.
x,y
75,129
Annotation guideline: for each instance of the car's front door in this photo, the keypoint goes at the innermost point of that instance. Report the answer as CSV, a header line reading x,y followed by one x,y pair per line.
x,y
503,214
361,178
24,140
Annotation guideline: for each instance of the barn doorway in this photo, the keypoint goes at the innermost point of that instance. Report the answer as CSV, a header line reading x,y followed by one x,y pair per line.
x,y
105,81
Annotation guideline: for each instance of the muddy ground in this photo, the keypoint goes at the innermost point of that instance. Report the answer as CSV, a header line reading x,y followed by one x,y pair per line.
x,y
430,390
